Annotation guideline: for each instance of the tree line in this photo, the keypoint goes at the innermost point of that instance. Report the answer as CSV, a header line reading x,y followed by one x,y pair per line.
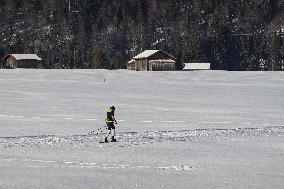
x,y
230,34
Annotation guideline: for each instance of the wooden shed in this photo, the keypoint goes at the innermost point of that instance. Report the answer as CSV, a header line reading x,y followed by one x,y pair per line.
x,y
152,60
22,61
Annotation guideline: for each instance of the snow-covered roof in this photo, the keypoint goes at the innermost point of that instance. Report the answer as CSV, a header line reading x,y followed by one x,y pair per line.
x,y
163,60
146,54
23,57
131,61
196,66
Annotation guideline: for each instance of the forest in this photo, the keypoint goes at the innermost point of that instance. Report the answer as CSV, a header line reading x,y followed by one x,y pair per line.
x,y
235,35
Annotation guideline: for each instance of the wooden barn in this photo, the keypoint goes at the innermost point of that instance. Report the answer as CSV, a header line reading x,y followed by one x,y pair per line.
x,y
22,61
152,60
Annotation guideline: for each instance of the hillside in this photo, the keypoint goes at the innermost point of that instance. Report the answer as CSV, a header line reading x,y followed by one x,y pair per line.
x,y
231,34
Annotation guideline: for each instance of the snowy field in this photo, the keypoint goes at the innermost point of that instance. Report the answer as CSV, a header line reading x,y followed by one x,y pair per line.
x,y
203,129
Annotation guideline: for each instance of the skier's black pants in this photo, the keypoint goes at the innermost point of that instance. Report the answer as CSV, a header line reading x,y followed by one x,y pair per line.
x,y
110,126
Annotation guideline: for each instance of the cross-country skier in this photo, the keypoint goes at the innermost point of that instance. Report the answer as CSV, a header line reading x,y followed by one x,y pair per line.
x,y
110,120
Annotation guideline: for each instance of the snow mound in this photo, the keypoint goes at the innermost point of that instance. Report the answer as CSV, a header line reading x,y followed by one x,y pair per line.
x,y
139,138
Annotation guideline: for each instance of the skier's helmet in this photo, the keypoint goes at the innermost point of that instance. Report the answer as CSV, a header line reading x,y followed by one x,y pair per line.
x,y
112,108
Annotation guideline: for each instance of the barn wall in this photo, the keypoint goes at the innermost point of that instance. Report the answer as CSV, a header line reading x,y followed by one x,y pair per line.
x,y
131,66
160,55
145,65
163,66
27,64
141,65
150,66
12,63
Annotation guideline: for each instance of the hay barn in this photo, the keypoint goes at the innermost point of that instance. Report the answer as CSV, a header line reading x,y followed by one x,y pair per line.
x,y
22,61
152,60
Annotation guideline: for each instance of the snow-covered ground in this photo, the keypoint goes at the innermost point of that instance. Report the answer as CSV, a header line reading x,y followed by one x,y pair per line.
x,y
204,129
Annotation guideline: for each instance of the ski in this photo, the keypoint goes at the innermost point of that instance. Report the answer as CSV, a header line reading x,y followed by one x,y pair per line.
x,y
107,142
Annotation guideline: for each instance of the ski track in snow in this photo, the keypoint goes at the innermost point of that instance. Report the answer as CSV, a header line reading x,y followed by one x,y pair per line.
x,y
124,139
36,163
139,138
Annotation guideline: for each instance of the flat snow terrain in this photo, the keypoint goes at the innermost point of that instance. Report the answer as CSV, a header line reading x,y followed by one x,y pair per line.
x,y
207,129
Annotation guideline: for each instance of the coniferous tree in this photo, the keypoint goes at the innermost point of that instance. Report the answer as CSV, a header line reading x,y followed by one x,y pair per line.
x,y
230,34
100,61
275,53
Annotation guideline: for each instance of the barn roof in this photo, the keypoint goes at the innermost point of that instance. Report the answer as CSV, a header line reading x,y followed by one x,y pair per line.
x,y
131,61
196,66
146,54
164,60
23,57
